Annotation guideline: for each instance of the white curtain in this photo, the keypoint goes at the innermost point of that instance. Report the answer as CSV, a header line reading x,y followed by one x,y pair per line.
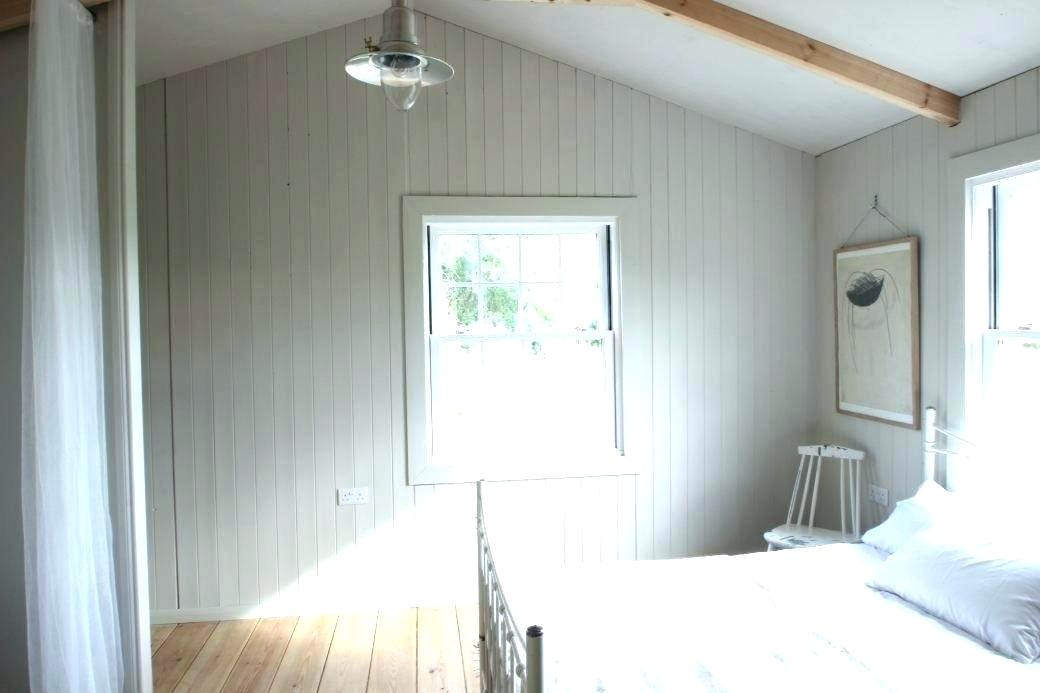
x,y
73,631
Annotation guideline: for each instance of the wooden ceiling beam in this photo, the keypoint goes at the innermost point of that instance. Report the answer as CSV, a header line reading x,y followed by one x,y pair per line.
x,y
15,13
805,52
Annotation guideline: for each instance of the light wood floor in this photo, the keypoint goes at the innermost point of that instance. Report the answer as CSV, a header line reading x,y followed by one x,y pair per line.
x,y
405,651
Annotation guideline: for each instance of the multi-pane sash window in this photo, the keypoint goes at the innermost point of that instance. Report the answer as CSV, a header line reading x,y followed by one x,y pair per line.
x,y
1011,345
521,345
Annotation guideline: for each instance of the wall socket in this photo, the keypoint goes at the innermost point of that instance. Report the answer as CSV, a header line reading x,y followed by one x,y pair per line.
x,y
878,495
358,495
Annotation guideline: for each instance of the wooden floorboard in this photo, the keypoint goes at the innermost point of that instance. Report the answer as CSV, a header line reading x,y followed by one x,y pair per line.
x,y
393,654
304,659
428,650
215,660
160,633
350,655
261,657
172,660
440,664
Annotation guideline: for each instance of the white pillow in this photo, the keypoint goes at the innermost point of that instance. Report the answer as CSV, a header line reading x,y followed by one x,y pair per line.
x,y
991,590
931,504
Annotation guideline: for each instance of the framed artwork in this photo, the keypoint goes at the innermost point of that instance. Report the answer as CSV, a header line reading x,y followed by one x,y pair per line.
x,y
877,333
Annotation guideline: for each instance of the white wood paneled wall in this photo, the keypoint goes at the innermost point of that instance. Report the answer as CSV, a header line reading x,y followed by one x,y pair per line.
x,y
270,197
906,166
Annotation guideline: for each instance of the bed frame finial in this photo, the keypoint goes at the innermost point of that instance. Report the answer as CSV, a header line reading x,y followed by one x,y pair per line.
x,y
929,444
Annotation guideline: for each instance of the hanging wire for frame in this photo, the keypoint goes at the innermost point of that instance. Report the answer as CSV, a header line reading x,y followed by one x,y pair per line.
x,y
873,208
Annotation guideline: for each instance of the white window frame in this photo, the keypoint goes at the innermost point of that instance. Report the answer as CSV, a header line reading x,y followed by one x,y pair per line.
x,y
419,212
965,173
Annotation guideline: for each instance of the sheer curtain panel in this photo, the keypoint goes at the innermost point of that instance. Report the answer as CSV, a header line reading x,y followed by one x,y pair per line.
x,y
73,631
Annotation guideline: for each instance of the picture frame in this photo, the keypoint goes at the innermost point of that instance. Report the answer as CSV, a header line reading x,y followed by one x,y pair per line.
x,y
877,337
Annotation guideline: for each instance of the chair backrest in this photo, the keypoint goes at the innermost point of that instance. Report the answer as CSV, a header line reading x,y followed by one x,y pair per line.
x,y
830,451
849,461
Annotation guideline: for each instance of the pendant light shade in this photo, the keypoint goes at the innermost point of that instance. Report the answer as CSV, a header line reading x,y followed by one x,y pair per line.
x,y
398,63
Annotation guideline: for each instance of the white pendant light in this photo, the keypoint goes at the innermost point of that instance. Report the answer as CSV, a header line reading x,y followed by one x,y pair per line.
x,y
398,64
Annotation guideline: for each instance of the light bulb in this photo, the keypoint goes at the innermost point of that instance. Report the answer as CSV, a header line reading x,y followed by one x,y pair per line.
x,y
401,78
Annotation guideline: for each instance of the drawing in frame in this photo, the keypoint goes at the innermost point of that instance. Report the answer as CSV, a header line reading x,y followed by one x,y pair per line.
x,y
877,332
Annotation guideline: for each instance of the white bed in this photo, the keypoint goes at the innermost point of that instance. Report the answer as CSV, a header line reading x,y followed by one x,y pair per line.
x,y
800,620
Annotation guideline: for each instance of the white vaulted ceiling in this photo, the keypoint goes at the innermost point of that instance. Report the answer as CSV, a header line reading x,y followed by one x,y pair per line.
x,y
958,45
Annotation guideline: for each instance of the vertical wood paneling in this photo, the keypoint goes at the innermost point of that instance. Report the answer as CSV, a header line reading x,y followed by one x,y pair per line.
x,y
494,132
568,134
248,591
742,382
530,118
281,327
761,262
379,259
179,241
476,182
712,318
585,114
219,253
302,312
397,185
621,147
678,366
202,393
729,430
319,173
455,54
157,356
358,268
284,375
437,109
549,125
260,219
644,447
339,251
909,174
660,314
694,386
1026,109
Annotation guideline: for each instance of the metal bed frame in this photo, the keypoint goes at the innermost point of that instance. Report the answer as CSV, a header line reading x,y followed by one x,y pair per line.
x,y
511,658
931,431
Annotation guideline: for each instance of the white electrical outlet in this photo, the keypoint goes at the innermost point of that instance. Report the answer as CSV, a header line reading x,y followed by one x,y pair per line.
x,y
358,495
878,495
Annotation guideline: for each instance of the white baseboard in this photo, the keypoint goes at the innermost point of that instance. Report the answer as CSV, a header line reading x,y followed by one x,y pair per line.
x,y
273,608
226,613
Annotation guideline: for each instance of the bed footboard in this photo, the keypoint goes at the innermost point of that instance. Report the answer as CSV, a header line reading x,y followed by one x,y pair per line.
x,y
510,659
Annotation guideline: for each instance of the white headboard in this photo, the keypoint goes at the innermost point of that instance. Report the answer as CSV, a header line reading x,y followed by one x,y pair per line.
x,y
931,430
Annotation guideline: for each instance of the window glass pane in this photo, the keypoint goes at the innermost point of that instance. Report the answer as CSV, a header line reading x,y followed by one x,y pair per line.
x,y
455,310
542,306
458,258
562,308
498,308
1017,252
499,258
581,259
456,387
508,398
506,380
1012,381
540,258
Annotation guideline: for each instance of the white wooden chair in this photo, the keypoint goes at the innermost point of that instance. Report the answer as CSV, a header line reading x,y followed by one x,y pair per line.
x,y
792,535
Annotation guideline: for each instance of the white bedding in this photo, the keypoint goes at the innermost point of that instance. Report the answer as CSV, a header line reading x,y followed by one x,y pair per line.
x,y
786,621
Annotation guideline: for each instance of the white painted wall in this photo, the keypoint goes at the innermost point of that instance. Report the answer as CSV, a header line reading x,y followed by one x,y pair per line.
x,y
270,192
14,57
906,166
